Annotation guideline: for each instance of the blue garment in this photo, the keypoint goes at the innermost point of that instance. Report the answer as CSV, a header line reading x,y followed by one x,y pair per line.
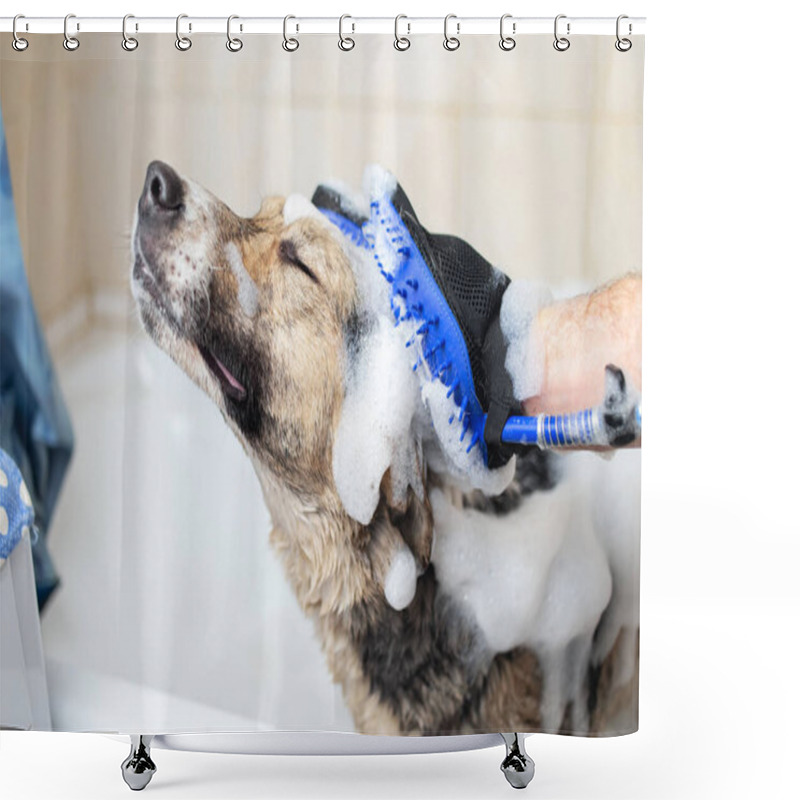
x,y
35,429
16,507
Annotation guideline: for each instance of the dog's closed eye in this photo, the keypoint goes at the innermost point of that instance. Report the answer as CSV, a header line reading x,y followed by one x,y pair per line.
x,y
288,253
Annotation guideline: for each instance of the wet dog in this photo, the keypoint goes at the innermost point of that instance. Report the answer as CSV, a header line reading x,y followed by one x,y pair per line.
x,y
261,313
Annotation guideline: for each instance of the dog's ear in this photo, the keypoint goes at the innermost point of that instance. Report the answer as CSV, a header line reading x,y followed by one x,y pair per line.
x,y
412,517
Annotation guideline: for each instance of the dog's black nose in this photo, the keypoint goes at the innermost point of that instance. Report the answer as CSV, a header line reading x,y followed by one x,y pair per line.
x,y
163,190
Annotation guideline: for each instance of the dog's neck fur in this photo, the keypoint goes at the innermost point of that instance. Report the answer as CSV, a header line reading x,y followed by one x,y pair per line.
x,y
331,561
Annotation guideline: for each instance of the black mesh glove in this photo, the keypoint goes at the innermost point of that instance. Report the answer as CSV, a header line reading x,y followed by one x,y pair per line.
x,y
474,291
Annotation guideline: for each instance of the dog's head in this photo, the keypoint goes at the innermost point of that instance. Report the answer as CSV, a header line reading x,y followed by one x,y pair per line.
x,y
255,310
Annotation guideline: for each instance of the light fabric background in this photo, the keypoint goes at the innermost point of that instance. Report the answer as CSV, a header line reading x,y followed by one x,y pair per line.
x,y
532,156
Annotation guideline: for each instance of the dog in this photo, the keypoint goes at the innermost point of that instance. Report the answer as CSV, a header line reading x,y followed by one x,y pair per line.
x,y
538,631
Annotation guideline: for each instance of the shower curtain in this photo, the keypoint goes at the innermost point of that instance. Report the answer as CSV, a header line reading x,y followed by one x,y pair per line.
x,y
256,531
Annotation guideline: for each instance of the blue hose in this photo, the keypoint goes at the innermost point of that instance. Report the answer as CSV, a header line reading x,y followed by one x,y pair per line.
x,y
578,429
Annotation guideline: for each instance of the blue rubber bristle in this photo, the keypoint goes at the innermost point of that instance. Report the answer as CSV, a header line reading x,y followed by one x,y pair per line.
x,y
476,437
440,345
436,336
442,369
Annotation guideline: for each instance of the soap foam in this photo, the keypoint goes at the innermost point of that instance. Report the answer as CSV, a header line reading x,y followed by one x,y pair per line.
x,y
248,291
521,302
544,575
373,434
400,583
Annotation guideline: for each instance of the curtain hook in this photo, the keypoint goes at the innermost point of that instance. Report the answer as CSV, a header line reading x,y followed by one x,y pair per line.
x,y
451,42
129,43
507,42
401,43
290,44
182,42
561,43
346,43
623,45
233,44
19,44
71,43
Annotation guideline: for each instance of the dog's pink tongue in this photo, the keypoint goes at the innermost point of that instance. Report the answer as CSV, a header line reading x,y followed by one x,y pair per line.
x,y
228,377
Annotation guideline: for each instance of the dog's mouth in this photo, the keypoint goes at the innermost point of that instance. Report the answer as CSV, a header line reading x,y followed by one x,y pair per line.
x,y
230,386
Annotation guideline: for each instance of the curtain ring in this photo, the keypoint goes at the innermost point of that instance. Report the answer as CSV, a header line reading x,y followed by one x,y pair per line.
x,y
623,45
451,42
507,42
71,43
561,43
19,44
346,43
182,42
129,43
290,44
401,43
233,44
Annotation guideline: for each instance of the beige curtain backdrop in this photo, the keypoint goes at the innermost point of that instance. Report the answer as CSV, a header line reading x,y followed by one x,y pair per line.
x,y
533,156
173,613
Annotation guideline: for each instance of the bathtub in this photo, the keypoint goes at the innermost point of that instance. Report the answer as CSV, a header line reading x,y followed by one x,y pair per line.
x,y
195,677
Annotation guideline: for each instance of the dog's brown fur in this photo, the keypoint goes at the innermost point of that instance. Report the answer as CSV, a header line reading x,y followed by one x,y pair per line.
x,y
416,671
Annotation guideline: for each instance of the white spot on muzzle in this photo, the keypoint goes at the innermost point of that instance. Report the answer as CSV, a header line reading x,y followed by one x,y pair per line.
x,y
248,293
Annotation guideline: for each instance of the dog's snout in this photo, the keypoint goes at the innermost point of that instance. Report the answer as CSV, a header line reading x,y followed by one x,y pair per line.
x,y
163,190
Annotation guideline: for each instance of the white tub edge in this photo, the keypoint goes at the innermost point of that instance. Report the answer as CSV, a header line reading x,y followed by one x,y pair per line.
x,y
319,743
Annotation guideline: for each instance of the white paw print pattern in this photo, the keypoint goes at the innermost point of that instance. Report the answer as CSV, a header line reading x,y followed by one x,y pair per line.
x,y
3,513
16,507
24,496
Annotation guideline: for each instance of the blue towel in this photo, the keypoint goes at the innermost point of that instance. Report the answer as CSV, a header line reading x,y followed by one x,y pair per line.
x,y
35,429
16,507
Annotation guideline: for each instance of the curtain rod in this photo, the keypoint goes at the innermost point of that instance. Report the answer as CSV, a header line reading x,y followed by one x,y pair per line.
x,y
461,26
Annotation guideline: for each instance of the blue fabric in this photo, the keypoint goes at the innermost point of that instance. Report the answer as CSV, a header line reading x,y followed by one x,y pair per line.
x,y
16,507
35,429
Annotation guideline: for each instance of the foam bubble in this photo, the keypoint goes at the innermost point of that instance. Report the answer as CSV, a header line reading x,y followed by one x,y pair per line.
x,y
400,583
248,291
521,302
373,434
547,574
